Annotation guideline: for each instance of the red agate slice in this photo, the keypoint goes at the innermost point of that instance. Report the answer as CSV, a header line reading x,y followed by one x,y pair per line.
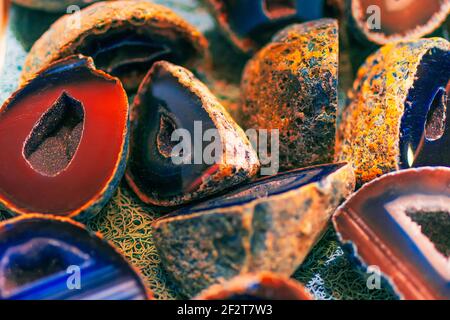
x,y
63,138
400,223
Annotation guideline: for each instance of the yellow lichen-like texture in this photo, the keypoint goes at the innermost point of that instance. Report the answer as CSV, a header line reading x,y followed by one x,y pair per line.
x,y
67,34
126,222
369,133
291,85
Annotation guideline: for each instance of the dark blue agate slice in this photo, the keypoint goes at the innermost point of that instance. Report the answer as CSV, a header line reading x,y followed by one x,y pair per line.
x,y
401,224
425,125
41,259
122,54
265,187
253,18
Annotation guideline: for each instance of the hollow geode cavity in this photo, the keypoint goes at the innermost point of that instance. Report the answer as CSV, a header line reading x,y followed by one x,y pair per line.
x,y
290,85
123,37
267,225
397,116
400,223
48,258
65,141
171,100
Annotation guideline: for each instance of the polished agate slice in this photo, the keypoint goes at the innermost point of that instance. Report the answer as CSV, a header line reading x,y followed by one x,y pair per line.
x,y
250,24
400,223
44,258
170,101
64,141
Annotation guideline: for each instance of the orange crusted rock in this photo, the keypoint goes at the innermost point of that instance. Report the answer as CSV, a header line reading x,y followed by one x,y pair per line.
x,y
291,85
259,286
270,224
397,111
123,37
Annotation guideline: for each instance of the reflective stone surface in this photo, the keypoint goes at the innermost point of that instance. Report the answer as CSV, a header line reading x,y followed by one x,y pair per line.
x,y
394,222
49,259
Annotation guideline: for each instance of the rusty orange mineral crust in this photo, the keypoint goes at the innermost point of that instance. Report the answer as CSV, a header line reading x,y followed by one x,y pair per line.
x,y
264,285
369,134
64,38
291,85
272,233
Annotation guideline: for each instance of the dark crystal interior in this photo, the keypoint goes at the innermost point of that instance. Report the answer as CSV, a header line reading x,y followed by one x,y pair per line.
x,y
436,226
55,138
266,187
436,118
425,125
382,206
167,105
36,259
128,54
260,19
35,256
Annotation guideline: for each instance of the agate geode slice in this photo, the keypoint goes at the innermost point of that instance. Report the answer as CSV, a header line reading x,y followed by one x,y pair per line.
x,y
171,100
259,286
397,116
64,141
123,37
55,5
384,21
400,223
44,258
267,225
250,24
291,85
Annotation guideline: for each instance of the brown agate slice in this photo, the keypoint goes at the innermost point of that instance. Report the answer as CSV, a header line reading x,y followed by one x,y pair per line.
x,y
260,286
172,101
399,19
401,223
123,37
270,224
64,139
